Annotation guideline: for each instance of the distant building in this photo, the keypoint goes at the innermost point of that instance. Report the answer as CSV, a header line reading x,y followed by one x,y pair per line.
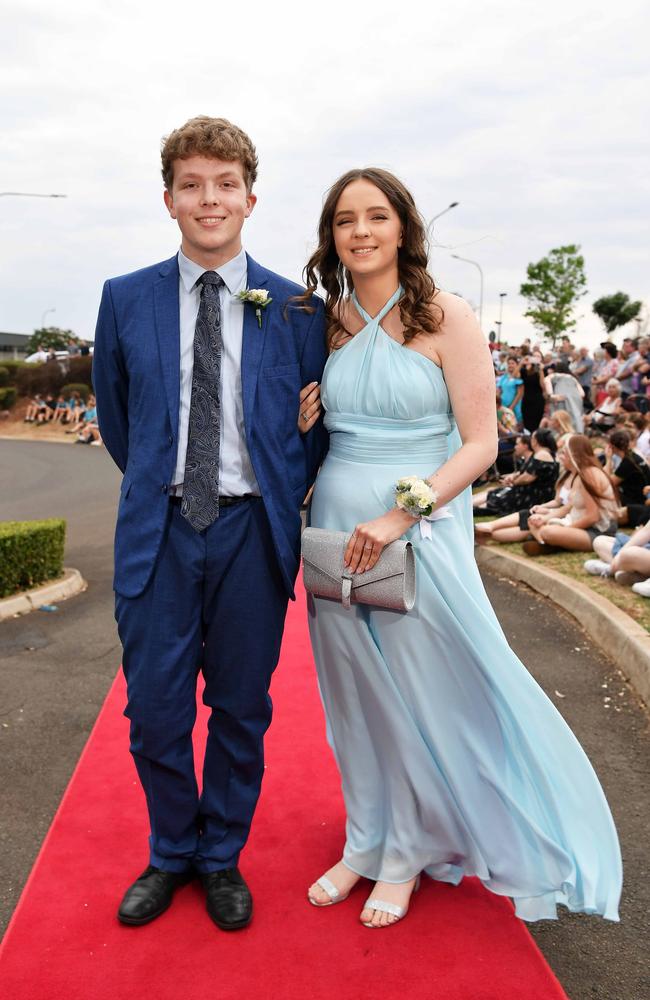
x,y
13,346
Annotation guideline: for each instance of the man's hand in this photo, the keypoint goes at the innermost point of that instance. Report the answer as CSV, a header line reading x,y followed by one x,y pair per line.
x,y
310,407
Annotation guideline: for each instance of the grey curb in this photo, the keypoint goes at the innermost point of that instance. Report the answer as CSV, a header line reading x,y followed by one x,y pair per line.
x,y
625,641
68,585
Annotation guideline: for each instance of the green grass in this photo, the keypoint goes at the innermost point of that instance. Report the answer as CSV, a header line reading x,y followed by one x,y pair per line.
x,y
571,564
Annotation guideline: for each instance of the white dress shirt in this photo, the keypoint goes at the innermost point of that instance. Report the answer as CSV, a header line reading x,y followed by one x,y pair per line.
x,y
236,475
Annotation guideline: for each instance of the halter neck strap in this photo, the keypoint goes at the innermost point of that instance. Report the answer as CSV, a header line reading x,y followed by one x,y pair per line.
x,y
395,297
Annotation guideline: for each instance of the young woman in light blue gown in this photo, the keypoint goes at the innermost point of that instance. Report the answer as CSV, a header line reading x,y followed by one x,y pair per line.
x,y
453,761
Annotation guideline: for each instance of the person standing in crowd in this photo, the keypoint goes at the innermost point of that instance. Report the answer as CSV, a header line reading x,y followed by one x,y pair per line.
x,y
582,368
607,369
565,354
626,367
565,393
511,386
534,393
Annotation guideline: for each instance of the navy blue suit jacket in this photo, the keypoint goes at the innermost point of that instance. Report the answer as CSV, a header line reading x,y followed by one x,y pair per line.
x,y
136,376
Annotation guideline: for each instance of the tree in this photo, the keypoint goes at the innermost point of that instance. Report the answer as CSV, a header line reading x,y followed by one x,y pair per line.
x,y
555,283
616,310
50,336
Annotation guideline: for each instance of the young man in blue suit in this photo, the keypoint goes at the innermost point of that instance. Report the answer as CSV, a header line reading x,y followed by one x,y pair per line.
x,y
198,367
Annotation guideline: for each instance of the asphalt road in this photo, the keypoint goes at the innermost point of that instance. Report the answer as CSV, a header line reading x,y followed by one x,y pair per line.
x,y
55,669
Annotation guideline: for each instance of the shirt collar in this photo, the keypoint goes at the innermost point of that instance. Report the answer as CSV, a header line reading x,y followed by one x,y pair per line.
x,y
233,272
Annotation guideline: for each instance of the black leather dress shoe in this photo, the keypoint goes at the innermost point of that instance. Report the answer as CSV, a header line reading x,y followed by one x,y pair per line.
x,y
230,903
150,895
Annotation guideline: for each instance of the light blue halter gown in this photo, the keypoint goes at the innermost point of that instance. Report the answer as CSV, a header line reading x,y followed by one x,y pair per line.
x,y
453,760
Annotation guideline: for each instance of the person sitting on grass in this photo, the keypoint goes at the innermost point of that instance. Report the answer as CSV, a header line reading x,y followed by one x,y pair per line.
x,y
533,480
36,405
636,424
591,509
514,527
561,425
86,429
60,410
626,558
78,408
88,412
630,475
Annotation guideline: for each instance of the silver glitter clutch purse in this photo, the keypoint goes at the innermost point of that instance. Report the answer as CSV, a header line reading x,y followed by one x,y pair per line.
x,y
389,584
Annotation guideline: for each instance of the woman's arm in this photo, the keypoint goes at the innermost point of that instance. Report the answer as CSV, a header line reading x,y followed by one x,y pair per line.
x,y
461,350
518,398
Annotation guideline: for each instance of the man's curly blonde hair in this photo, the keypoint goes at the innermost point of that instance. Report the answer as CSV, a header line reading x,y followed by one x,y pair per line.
x,y
212,137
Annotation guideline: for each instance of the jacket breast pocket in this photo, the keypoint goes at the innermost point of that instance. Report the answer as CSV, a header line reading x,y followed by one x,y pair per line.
x,y
289,372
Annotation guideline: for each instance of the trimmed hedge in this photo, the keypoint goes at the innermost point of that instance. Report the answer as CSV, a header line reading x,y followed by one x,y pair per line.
x,y
13,367
80,387
4,375
31,552
51,376
8,397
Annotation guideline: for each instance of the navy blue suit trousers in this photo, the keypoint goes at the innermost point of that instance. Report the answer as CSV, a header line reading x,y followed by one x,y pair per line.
x,y
215,605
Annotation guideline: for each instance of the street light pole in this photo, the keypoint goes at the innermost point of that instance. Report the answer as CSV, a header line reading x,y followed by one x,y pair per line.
x,y
444,211
29,194
480,271
502,296
52,310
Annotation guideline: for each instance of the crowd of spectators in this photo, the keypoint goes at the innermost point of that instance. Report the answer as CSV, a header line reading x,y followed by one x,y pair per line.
x,y
79,416
574,446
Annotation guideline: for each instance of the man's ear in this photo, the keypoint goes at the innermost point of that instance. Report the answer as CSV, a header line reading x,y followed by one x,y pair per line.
x,y
169,202
251,202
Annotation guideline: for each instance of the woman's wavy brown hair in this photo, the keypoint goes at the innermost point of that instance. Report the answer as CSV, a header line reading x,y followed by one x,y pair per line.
x,y
415,305
581,455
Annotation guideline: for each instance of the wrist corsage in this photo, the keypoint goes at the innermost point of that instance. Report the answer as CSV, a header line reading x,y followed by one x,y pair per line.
x,y
418,498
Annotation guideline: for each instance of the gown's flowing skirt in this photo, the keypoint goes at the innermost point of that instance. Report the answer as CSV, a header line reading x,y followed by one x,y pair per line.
x,y
453,760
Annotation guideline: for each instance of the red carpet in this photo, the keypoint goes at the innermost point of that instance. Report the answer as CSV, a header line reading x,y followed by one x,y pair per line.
x,y
64,942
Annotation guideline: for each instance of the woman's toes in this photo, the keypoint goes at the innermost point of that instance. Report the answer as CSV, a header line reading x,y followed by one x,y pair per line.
x,y
316,893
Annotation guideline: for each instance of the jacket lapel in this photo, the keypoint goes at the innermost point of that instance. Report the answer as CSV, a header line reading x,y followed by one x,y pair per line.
x,y
166,311
253,340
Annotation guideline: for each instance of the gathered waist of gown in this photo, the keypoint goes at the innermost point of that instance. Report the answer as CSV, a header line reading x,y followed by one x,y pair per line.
x,y
356,437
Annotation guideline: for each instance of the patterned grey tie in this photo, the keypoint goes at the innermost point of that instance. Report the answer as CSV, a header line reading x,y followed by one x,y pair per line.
x,y
201,481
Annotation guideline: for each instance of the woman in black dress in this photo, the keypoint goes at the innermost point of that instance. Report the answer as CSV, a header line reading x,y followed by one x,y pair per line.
x,y
534,398
532,483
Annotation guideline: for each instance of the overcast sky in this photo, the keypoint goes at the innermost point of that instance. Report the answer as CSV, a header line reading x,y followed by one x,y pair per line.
x,y
529,115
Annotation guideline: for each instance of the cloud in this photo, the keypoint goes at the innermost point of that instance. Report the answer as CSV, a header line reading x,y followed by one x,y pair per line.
x,y
528,116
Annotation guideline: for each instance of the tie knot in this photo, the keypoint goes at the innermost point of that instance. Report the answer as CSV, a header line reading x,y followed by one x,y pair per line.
x,y
211,278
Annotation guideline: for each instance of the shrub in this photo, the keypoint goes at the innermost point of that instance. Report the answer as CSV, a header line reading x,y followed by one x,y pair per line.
x,y
13,367
80,387
4,376
8,397
51,376
31,552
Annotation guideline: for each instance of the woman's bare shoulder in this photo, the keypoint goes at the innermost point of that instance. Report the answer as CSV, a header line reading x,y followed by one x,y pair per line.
x,y
458,327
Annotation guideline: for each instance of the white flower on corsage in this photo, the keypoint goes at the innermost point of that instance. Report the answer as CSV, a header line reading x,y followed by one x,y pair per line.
x,y
418,498
258,297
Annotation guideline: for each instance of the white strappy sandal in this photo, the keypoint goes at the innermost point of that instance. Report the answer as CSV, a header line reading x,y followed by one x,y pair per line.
x,y
335,895
384,907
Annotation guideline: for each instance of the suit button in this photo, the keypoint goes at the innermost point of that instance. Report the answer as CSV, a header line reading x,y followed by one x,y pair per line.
x,y
171,439
164,487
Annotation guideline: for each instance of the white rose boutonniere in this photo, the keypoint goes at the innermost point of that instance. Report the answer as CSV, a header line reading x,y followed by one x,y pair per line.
x,y
258,297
